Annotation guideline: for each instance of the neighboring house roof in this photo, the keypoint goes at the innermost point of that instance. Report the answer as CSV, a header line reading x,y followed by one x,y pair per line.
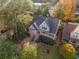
x,y
53,2
68,28
68,31
38,1
77,11
75,33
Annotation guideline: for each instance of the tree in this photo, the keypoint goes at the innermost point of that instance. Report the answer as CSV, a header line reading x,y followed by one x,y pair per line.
x,y
29,52
68,51
64,9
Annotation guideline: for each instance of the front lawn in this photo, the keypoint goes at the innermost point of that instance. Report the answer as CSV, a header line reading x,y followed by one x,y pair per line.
x,y
48,52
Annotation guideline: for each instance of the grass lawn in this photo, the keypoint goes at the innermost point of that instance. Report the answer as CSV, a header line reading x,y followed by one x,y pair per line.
x,y
48,52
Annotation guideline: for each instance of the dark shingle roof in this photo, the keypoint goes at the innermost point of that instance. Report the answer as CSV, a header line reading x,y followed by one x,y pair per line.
x,y
77,11
47,25
37,1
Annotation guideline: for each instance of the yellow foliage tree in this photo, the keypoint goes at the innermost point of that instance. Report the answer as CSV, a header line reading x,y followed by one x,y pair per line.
x,y
68,51
26,19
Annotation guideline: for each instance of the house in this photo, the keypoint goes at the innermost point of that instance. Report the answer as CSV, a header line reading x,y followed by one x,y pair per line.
x,y
47,27
70,33
75,36
38,3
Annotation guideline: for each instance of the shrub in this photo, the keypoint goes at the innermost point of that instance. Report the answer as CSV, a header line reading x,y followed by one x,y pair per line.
x,y
68,51
29,52
8,50
77,19
46,40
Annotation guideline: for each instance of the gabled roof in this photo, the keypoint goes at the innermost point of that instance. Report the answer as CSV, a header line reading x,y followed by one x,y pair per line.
x,y
75,33
69,31
48,26
68,28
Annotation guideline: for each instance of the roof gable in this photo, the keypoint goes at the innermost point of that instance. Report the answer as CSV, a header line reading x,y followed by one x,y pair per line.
x,y
68,28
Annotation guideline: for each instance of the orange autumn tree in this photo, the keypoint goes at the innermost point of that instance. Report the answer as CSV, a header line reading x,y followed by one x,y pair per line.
x,y
68,7
64,10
